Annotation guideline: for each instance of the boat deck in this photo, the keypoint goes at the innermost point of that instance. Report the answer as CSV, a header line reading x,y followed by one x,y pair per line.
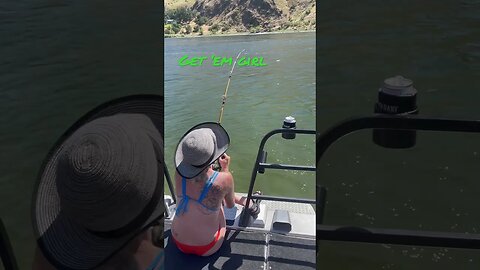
x,y
247,250
260,245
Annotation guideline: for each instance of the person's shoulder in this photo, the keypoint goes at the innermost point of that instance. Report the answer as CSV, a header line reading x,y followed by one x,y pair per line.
x,y
225,178
225,174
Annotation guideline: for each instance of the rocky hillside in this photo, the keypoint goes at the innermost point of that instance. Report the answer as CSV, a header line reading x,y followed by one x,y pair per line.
x,y
230,16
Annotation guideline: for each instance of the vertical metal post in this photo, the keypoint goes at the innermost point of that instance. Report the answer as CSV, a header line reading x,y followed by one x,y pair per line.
x,y
321,198
169,183
245,217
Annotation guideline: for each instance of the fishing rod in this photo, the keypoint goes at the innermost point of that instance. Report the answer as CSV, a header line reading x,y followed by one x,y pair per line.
x,y
216,164
224,97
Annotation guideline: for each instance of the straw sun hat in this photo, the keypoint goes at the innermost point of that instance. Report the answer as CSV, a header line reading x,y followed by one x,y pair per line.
x,y
199,147
101,184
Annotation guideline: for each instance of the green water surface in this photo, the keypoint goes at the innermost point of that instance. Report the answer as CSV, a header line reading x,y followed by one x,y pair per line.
x,y
257,101
433,186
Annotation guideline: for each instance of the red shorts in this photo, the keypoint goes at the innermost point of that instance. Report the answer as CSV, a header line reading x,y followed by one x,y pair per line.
x,y
197,250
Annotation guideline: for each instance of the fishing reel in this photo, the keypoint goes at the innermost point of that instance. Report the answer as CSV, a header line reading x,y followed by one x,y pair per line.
x,y
216,166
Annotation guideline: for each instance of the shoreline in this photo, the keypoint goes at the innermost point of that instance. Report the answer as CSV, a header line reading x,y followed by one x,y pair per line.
x,y
240,34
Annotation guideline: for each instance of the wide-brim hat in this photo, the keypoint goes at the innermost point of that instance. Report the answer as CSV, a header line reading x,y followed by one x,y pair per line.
x,y
199,147
102,183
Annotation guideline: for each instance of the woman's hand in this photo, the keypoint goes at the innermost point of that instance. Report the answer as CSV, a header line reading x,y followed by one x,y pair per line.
x,y
224,161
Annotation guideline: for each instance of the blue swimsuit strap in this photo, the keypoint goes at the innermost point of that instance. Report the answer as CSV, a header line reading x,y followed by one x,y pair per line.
x,y
182,206
207,186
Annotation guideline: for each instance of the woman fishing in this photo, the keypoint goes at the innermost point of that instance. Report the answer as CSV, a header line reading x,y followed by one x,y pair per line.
x,y
199,223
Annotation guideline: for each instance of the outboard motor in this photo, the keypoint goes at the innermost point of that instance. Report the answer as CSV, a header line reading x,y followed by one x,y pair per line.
x,y
397,96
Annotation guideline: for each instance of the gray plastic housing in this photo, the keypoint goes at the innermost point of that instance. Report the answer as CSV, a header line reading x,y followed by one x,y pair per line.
x,y
281,221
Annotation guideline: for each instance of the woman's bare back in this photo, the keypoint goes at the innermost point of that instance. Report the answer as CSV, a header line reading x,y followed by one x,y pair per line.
x,y
199,223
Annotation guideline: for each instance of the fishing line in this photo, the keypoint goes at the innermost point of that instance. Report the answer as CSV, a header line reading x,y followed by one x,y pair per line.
x,y
224,97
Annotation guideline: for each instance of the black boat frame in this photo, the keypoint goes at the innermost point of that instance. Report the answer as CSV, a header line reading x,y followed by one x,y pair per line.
x,y
390,236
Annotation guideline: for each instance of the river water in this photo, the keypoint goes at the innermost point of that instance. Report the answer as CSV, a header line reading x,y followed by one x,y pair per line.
x,y
258,99
433,186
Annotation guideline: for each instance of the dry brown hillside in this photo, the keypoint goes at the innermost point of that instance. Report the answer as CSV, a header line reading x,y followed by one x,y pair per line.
x,y
249,15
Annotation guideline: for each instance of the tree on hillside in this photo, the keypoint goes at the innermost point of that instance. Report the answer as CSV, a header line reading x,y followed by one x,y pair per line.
x,y
201,20
181,14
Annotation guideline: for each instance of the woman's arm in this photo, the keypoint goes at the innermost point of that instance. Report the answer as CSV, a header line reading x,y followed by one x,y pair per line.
x,y
230,197
240,199
224,161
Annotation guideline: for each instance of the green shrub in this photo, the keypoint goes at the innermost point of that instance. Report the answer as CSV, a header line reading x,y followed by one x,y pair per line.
x,y
201,20
225,27
188,29
255,29
175,28
287,25
214,28
235,15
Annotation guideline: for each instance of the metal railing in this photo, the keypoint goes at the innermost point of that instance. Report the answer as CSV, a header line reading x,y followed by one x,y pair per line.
x,y
391,236
261,165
